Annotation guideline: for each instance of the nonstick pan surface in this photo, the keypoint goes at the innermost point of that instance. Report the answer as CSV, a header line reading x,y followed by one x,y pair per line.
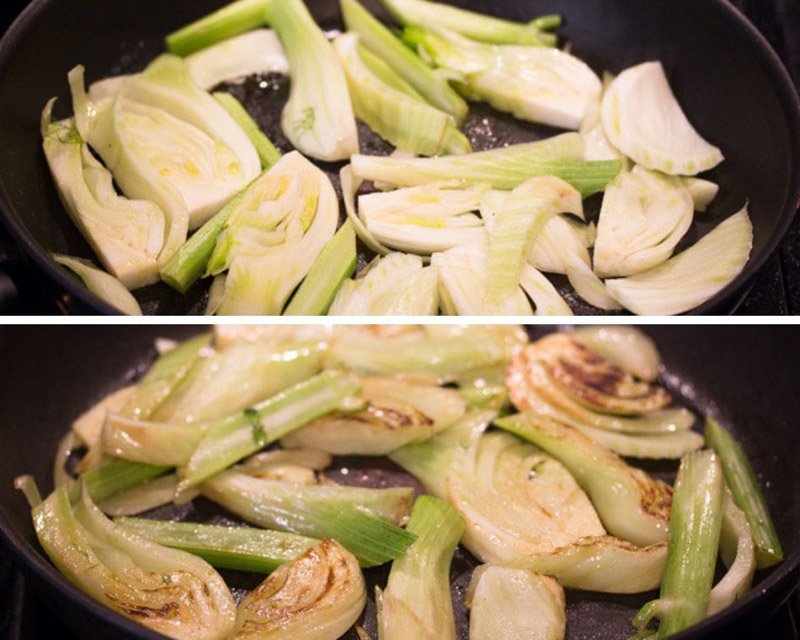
x,y
745,376
729,81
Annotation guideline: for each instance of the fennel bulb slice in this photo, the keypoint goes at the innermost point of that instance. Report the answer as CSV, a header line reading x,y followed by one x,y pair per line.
x,y
644,120
318,119
508,604
692,276
520,219
266,150
627,347
463,284
515,499
273,236
127,235
166,590
166,140
632,505
410,124
531,388
643,216
424,219
416,602
602,563
319,595
477,26
737,552
257,51
398,412
104,286
592,380
395,284
503,168
538,84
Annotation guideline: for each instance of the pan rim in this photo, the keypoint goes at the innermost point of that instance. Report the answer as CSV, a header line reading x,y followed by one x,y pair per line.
x,y
730,297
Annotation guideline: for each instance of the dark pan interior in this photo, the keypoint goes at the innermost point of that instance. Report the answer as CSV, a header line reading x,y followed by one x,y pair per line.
x,y
745,376
730,83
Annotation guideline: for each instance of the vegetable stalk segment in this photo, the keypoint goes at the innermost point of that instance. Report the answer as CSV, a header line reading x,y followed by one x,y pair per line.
x,y
477,26
693,542
231,20
504,168
410,124
335,263
236,437
319,123
267,152
224,547
742,481
382,42
118,475
416,602
362,520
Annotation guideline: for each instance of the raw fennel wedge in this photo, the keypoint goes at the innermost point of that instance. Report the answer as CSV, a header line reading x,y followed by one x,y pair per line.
x,y
104,286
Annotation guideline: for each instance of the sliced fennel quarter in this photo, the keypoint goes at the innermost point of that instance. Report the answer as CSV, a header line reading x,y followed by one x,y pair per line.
x,y
691,277
644,120
643,216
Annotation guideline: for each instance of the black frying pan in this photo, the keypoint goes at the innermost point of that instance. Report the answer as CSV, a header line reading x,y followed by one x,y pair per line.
x,y
729,81
746,376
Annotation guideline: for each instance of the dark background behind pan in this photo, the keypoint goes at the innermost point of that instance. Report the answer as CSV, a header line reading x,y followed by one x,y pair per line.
x,y
745,376
731,85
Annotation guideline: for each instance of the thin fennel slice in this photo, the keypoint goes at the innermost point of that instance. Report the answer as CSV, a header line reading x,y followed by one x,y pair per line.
x,y
484,28
350,186
410,124
588,286
463,284
395,284
382,42
424,219
519,221
503,168
691,277
318,118
257,51
643,216
644,120
508,603
546,298
702,191
601,563
103,285
127,235
538,84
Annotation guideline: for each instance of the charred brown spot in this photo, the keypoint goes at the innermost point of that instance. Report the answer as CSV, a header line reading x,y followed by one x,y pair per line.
x,y
167,611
